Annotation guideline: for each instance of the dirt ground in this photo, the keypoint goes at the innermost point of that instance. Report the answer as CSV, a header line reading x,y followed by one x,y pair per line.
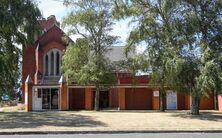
x,y
109,120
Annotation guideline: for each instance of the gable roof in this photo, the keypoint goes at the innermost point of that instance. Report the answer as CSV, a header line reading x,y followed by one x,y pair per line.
x,y
46,24
117,53
52,32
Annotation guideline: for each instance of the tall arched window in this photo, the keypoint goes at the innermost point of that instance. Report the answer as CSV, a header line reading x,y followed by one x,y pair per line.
x,y
57,63
52,62
46,65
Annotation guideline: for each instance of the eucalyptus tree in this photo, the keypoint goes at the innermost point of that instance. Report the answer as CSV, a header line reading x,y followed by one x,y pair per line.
x,y
92,20
199,24
183,41
154,28
18,20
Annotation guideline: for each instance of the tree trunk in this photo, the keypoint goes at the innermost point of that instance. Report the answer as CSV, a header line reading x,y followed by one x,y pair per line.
x,y
215,100
195,105
96,105
162,101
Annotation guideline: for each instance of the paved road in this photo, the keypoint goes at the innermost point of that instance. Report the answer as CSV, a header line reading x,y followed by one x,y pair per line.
x,y
133,135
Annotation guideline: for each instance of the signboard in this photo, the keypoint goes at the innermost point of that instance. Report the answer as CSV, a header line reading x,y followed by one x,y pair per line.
x,y
156,93
5,97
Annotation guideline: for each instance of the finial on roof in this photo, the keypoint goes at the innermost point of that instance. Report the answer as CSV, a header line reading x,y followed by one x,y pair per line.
x,y
37,48
28,80
62,80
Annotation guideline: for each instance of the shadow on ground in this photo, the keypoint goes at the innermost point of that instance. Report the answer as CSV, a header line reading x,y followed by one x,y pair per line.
x,y
204,115
37,119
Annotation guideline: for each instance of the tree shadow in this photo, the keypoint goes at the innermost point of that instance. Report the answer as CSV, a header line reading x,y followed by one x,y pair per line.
x,y
138,111
204,115
37,119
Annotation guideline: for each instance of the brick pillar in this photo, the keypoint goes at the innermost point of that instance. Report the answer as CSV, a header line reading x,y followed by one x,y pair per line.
x,y
122,98
156,100
38,74
88,99
220,102
28,94
63,94
187,101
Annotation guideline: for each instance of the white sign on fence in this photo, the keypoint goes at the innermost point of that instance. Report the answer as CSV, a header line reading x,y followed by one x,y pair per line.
x,y
156,93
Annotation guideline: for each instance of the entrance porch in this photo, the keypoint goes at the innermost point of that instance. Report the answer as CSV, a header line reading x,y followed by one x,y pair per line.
x,y
45,98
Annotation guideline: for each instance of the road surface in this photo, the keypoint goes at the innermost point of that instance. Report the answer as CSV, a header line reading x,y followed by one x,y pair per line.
x,y
129,135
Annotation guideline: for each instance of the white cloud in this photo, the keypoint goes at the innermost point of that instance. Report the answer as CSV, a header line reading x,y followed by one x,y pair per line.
x,y
52,7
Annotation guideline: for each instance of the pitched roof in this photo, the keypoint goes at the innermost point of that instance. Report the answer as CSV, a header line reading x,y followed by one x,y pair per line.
x,y
117,53
52,31
46,24
52,34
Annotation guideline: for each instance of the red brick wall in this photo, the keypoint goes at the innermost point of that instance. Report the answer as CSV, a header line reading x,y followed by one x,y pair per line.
x,y
122,102
39,61
113,98
220,103
88,99
28,66
181,101
52,45
39,65
139,98
76,98
184,102
127,78
187,102
207,103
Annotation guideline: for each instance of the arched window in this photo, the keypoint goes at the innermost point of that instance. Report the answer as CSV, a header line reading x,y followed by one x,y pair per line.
x,y
52,63
46,65
57,63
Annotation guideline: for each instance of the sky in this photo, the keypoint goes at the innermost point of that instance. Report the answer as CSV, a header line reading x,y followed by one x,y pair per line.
x,y
56,7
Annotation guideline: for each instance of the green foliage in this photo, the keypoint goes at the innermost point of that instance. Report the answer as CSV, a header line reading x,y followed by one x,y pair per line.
x,y
202,32
82,67
92,20
155,29
18,20
183,40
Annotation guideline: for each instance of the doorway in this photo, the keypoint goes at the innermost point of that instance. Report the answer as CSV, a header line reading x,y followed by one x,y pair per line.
x,y
76,98
45,99
50,98
103,99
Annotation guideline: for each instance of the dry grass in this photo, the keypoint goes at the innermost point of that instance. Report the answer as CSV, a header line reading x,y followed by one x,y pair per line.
x,y
18,108
109,120
8,103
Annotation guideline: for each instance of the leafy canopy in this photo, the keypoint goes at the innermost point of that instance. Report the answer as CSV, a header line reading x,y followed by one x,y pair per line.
x,y
18,20
92,20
